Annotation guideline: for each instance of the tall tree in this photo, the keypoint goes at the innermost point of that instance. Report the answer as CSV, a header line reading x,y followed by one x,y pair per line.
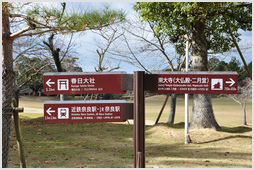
x,y
37,19
205,22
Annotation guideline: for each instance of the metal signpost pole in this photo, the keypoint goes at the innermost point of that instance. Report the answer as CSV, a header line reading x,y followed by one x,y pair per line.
x,y
139,120
187,96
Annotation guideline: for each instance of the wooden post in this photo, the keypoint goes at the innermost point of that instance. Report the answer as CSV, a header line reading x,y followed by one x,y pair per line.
x,y
18,136
139,120
16,111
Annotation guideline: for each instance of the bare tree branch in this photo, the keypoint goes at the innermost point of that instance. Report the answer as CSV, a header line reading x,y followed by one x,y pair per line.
x,y
30,78
109,38
162,49
36,33
67,49
135,55
14,35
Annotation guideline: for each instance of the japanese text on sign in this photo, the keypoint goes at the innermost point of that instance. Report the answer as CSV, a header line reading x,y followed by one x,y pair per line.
x,y
83,80
95,109
183,80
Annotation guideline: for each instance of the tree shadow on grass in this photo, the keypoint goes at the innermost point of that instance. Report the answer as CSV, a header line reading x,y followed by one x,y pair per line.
x,y
179,125
238,129
226,138
233,131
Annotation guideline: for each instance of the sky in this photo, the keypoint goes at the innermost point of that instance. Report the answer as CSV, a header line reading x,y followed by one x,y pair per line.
x,y
87,49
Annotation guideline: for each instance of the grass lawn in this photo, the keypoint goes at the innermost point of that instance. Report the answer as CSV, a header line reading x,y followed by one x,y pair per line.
x,y
110,145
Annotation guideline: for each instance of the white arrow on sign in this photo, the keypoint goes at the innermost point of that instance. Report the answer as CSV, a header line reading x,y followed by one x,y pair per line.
x,y
49,82
50,111
231,81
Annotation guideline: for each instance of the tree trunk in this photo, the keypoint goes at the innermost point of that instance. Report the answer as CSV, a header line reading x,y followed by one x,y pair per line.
x,y
7,84
56,57
172,111
202,112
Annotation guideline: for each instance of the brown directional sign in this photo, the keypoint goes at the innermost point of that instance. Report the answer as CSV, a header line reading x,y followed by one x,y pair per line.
x,y
197,82
87,111
83,83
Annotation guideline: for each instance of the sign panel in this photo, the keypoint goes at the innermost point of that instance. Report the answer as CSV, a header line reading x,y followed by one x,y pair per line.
x,y
197,82
82,83
86,111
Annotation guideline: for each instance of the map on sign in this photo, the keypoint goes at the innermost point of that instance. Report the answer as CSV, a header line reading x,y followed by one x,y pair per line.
x,y
83,111
82,83
197,82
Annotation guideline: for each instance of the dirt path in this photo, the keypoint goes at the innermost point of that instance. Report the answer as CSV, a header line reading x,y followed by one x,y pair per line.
x,y
32,110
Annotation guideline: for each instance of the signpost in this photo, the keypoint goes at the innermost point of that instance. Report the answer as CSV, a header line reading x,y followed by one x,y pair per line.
x,y
87,111
197,82
119,110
